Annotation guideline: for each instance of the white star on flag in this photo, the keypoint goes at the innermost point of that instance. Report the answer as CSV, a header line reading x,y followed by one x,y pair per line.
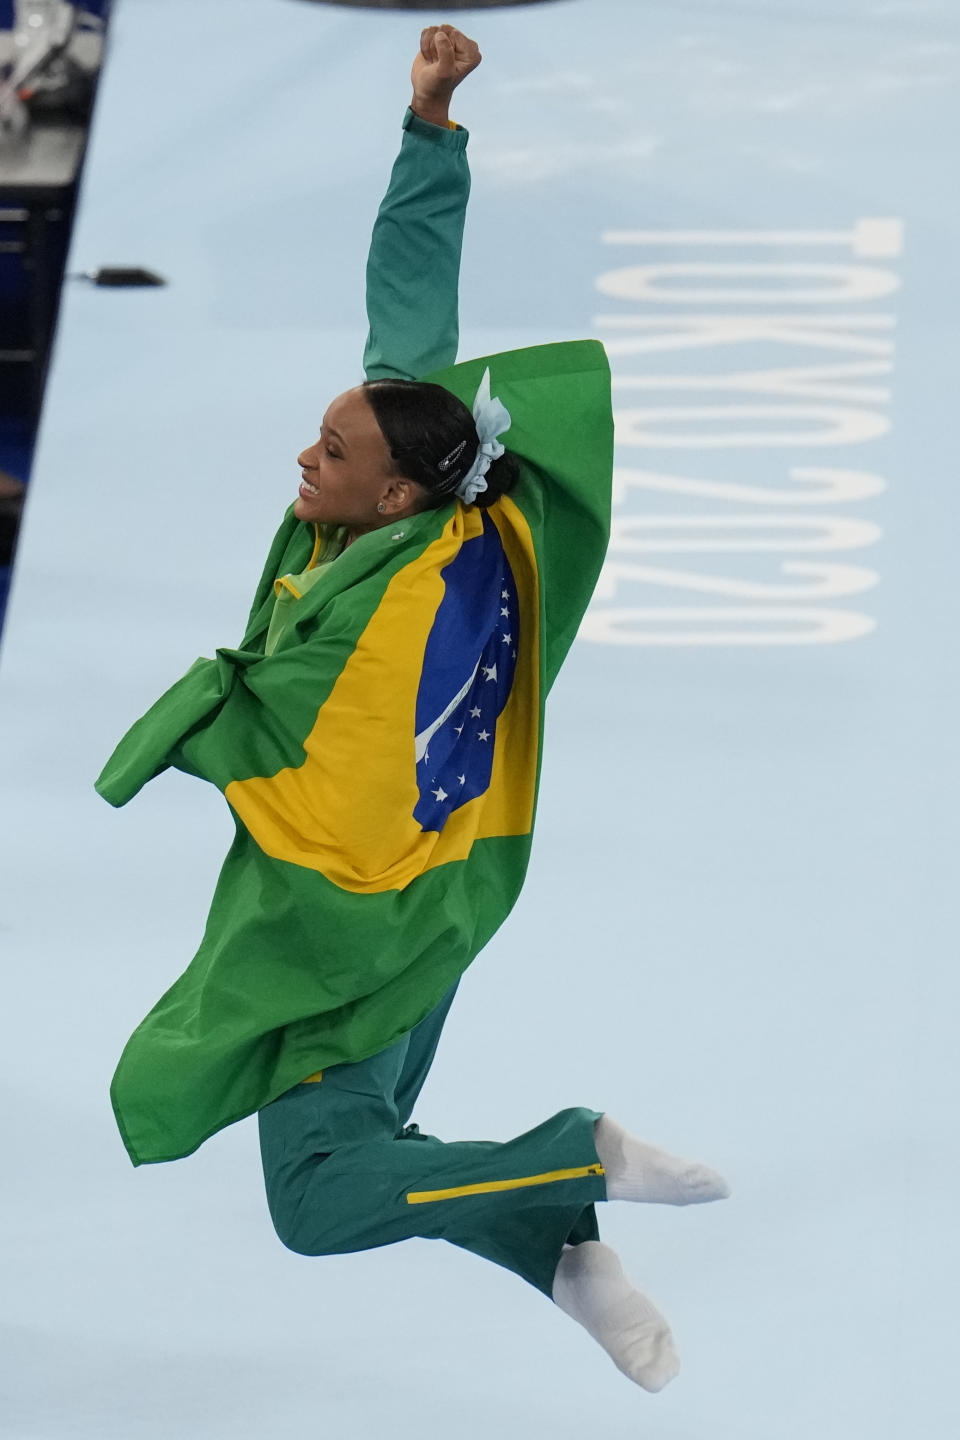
x,y
490,671
440,793
508,639
462,779
475,712
504,594
483,735
505,611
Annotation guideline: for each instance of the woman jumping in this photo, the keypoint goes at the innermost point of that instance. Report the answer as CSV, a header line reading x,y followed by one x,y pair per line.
x,y
378,736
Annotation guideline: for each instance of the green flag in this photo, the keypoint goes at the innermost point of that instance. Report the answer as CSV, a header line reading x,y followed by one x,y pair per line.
x,y
381,765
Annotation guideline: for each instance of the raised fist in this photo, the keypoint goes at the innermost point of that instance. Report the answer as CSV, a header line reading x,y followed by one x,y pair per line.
x,y
446,57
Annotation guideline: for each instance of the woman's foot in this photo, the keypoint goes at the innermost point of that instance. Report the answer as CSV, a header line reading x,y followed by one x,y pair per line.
x,y
591,1288
637,1171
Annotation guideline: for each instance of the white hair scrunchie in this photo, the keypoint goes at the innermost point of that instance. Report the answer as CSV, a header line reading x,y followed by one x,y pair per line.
x,y
491,419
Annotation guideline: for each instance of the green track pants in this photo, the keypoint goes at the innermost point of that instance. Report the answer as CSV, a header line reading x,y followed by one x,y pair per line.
x,y
345,1171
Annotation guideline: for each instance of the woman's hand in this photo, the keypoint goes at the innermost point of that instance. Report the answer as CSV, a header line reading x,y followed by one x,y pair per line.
x,y
446,57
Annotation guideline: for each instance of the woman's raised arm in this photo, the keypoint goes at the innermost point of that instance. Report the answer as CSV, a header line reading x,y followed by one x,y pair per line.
x,y
413,269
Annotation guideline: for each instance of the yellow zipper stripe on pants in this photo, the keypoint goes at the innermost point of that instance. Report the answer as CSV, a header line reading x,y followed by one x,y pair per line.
x,y
422,1197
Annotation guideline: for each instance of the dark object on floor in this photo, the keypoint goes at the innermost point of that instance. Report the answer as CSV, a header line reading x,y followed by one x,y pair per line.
x,y
116,275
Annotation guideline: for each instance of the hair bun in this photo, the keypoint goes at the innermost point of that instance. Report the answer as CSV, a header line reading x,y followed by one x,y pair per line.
x,y
501,478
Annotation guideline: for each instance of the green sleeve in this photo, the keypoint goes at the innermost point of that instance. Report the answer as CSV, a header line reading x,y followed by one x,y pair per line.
x,y
413,268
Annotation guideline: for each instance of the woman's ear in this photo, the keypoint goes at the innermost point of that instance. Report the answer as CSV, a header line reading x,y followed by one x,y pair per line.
x,y
397,496
403,496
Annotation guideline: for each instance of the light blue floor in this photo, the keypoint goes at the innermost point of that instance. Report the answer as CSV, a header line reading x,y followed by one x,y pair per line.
x,y
739,932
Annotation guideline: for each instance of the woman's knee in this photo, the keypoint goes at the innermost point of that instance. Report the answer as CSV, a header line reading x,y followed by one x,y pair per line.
x,y
299,1227
298,1239
295,1202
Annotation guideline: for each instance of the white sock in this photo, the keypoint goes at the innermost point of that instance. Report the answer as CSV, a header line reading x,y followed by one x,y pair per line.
x,y
637,1171
591,1288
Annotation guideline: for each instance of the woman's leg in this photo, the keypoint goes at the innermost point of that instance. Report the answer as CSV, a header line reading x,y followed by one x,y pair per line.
x,y
343,1174
344,1171
346,1107
421,1049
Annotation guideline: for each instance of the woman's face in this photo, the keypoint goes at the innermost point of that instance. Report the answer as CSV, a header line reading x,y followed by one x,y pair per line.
x,y
348,472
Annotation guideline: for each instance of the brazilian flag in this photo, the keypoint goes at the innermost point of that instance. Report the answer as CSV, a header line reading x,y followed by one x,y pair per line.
x,y
381,765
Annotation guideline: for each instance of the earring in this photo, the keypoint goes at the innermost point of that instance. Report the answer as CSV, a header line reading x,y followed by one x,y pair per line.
x,y
380,506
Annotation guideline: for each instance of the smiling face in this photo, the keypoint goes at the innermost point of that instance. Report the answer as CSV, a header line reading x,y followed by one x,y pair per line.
x,y
349,471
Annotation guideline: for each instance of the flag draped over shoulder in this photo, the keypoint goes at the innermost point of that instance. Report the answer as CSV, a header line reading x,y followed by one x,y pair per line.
x,y
381,764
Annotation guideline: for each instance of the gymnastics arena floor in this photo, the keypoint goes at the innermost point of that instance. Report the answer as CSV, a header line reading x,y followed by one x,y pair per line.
x,y
739,929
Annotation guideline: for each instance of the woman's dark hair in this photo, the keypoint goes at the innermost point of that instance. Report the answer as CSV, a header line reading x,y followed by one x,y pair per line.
x,y
433,439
